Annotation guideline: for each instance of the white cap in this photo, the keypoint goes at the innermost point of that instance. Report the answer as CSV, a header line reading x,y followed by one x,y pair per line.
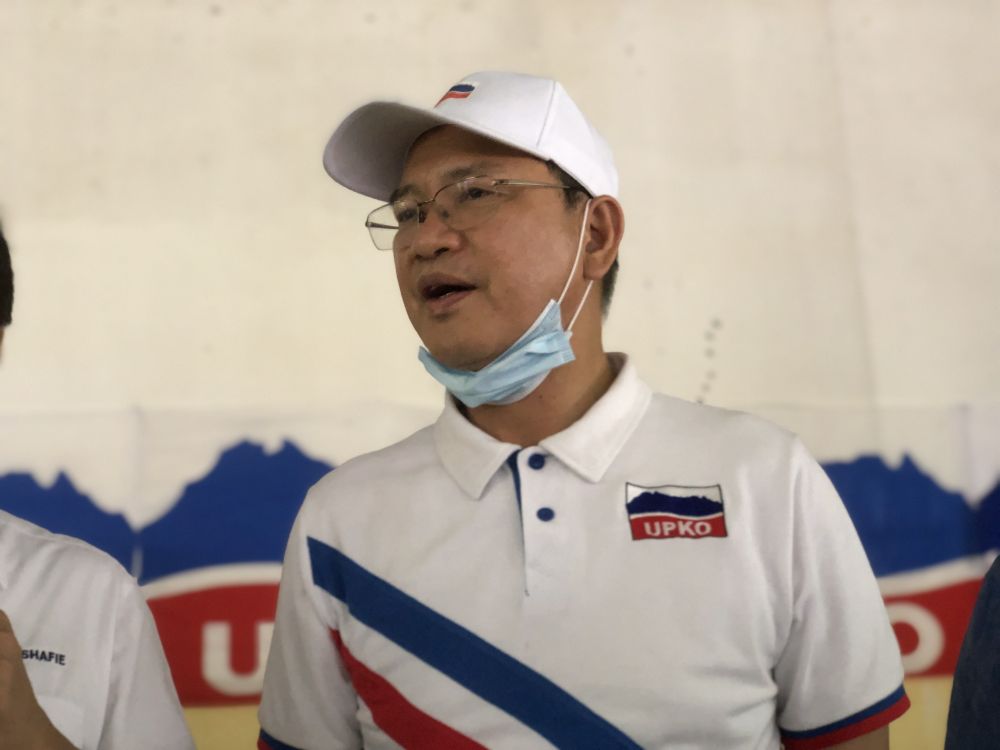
x,y
367,152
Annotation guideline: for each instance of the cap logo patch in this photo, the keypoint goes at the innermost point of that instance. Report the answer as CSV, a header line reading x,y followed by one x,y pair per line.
x,y
675,511
458,91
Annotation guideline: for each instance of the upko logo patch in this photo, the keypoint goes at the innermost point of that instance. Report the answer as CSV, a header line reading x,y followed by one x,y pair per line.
x,y
674,512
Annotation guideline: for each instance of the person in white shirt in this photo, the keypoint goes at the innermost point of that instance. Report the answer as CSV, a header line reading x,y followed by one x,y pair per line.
x,y
565,558
81,665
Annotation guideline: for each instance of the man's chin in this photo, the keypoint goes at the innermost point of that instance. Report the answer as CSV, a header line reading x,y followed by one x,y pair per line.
x,y
462,360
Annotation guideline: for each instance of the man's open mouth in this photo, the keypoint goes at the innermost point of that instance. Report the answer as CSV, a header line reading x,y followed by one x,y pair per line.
x,y
436,289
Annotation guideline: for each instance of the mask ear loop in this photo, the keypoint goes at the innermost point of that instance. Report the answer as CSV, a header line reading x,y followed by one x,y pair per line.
x,y
576,262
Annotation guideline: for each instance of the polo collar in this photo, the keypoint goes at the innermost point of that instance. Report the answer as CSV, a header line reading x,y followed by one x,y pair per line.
x,y
469,455
588,446
591,444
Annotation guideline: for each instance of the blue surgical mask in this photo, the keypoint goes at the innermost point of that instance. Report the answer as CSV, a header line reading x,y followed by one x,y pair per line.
x,y
525,364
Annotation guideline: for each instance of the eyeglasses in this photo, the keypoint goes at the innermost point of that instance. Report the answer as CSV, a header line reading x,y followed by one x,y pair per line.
x,y
461,205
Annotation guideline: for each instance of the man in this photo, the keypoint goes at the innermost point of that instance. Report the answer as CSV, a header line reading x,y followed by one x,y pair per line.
x,y
564,558
81,666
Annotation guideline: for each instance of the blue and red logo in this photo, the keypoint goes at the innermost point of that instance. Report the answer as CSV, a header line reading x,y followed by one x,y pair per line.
x,y
675,512
928,546
211,567
458,91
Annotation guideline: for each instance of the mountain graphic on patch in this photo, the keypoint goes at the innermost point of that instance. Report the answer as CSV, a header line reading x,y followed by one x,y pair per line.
x,y
675,512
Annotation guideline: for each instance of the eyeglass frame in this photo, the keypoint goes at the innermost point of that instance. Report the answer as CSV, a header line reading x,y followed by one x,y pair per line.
x,y
369,225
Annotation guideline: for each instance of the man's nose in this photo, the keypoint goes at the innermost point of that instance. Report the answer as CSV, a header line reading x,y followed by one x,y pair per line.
x,y
433,236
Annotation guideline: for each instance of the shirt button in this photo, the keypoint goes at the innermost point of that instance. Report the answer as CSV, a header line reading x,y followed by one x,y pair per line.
x,y
536,461
545,514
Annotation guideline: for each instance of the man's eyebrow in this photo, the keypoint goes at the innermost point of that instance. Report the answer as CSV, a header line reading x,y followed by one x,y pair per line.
x,y
452,175
401,191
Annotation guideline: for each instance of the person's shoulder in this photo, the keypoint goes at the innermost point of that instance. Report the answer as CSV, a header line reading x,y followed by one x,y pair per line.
x,y
394,463
728,437
25,543
701,421
354,496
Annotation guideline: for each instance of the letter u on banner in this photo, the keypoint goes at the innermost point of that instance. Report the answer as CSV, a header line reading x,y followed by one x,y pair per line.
x,y
217,659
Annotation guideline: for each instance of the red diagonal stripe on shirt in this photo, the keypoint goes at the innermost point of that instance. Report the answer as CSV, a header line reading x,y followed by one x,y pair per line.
x,y
394,714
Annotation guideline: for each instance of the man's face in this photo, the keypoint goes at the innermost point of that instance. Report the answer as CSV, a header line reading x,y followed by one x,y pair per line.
x,y
505,270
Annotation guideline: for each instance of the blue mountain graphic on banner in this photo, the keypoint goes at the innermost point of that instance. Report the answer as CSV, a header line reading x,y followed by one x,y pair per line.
x,y
63,509
906,520
241,511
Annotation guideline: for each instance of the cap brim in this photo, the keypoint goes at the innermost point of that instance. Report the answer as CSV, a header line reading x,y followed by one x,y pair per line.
x,y
366,153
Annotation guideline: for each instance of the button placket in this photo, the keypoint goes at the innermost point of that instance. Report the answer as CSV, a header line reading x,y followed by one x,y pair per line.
x,y
545,533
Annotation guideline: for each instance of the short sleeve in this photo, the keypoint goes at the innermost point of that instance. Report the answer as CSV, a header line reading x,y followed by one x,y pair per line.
x,y
142,708
839,674
308,701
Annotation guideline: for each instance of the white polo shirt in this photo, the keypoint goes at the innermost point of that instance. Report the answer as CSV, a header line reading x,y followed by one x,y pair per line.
x,y
658,575
88,641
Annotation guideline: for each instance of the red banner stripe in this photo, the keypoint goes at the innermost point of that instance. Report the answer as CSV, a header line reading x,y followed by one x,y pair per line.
x,y
397,717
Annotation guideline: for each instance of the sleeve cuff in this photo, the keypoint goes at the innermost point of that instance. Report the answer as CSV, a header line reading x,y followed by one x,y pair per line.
x,y
267,742
865,721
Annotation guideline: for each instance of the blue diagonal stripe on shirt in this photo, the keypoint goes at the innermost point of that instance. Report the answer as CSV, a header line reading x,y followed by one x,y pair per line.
x,y
480,667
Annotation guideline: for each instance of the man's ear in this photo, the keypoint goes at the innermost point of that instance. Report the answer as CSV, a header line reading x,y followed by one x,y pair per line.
x,y
605,227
